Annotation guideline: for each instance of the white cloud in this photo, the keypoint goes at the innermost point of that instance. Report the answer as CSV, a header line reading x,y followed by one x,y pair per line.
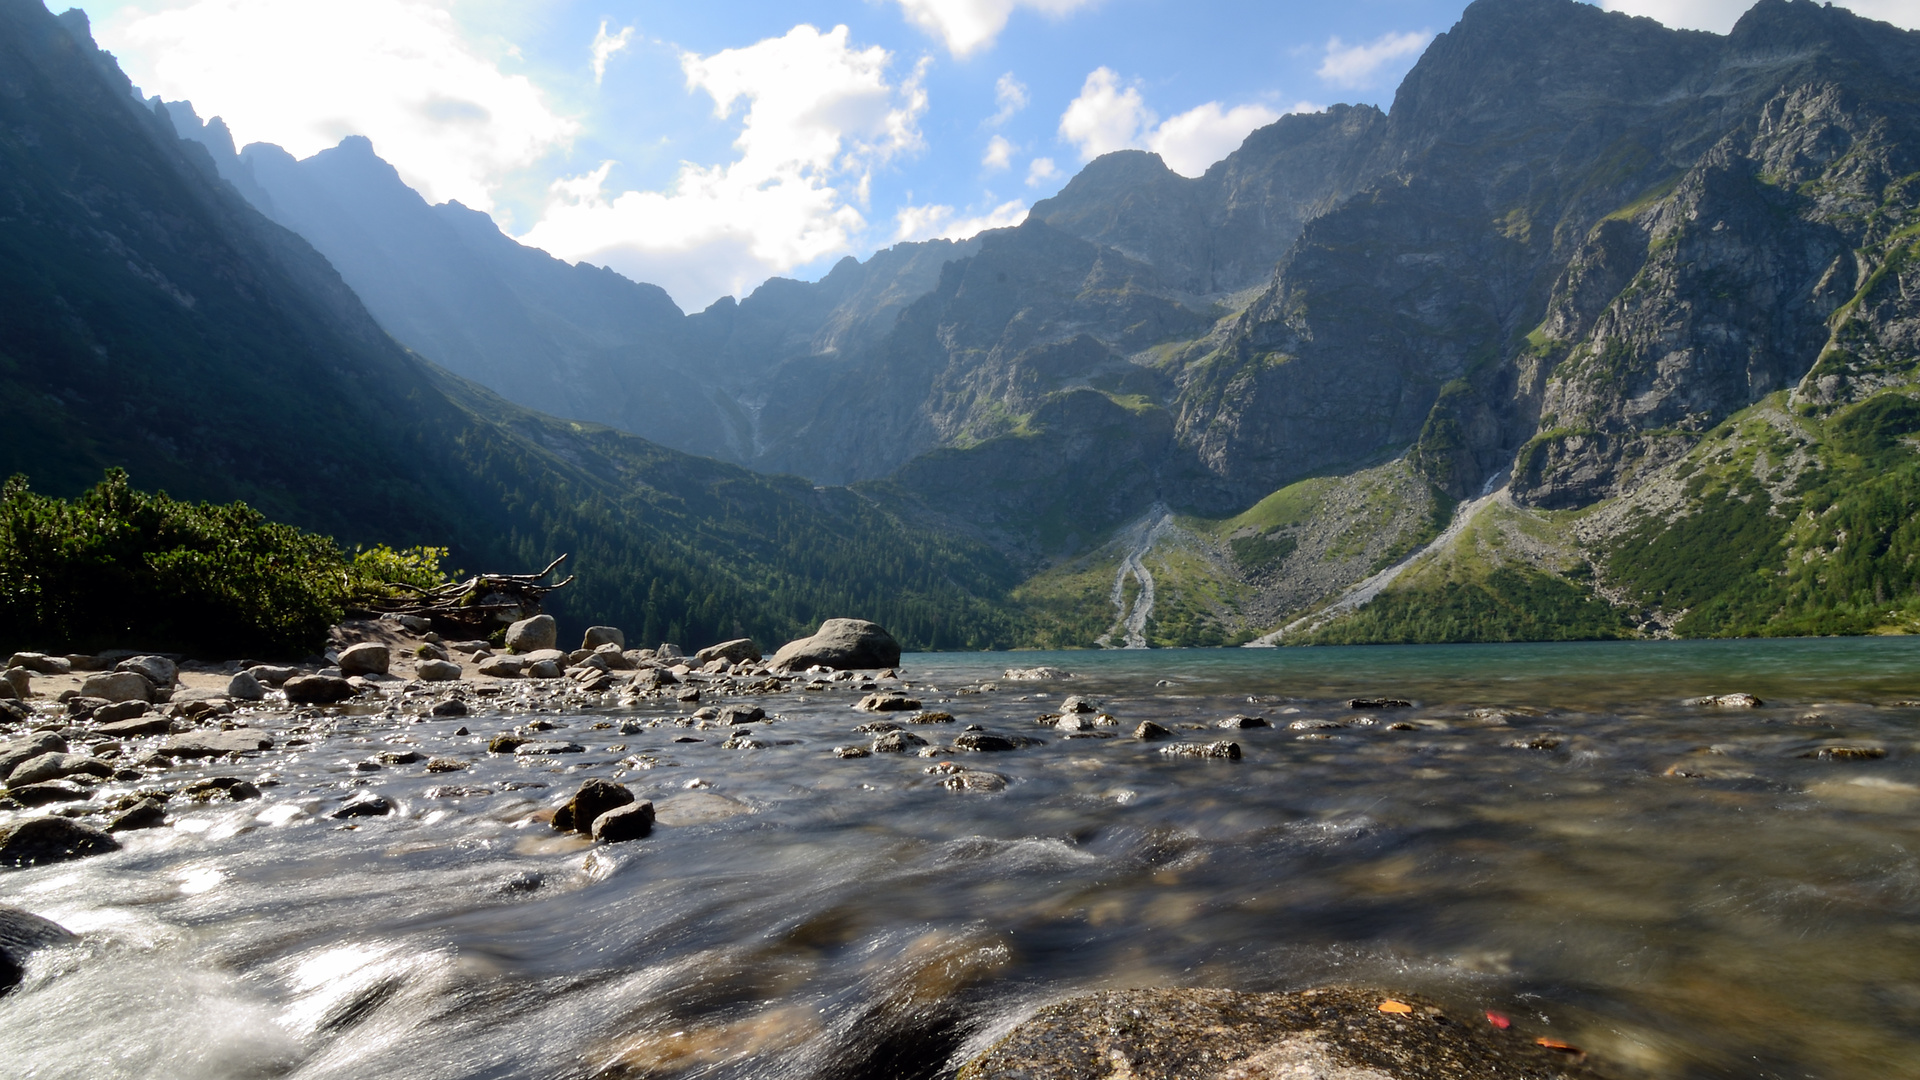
x,y
941,222
999,153
1041,170
1010,94
819,117
1355,65
307,75
604,46
1720,15
1108,116
970,25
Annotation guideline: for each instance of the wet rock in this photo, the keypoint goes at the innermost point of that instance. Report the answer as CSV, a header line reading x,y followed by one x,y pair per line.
x,y
897,742
1315,725
22,933
931,718
145,814
365,804
597,636
530,635
536,749
1077,704
318,689
217,788
118,686
47,792
436,671
594,798
447,708
120,710
984,742
366,658
739,650
400,757
888,701
1726,701
1327,1034
841,644
731,715
205,744
523,882
453,791
1224,750
851,752
1847,753
41,840
15,753
272,675
1036,674
506,744
545,669
632,821
503,667
57,766
876,727
1240,723
1148,731
974,780
1379,703
741,740
18,681
246,686
1537,742
445,765
157,670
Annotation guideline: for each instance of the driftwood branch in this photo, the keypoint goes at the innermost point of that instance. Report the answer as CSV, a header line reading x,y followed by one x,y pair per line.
x,y
477,606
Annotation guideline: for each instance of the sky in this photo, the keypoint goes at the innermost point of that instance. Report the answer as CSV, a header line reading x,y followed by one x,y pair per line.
x,y
706,146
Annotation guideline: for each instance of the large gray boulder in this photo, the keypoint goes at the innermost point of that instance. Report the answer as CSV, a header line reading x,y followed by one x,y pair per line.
x,y
1334,1033
733,652
35,841
22,932
532,635
158,670
603,635
118,686
318,689
841,644
366,658
56,766
21,750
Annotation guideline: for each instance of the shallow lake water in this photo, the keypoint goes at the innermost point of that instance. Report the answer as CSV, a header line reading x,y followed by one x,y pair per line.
x,y
1547,831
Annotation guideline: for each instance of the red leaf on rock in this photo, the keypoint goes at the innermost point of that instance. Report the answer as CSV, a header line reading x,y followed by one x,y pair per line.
x,y
1499,1021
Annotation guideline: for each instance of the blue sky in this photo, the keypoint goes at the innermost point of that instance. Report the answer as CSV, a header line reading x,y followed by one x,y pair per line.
x,y
708,146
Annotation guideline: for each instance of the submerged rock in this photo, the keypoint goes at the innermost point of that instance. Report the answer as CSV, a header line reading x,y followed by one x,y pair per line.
x,y
365,804
1379,703
887,701
1242,722
1229,751
1148,731
22,932
1726,701
1328,1034
49,840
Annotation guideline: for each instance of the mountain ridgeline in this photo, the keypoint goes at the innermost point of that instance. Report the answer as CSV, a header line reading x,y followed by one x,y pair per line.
x,y
1603,329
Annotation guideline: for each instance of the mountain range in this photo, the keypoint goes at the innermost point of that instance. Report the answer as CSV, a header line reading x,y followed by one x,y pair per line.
x,y
1603,329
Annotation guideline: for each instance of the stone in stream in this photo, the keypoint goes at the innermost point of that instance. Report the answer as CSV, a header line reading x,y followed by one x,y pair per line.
x,y
40,840
985,741
974,780
1726,701
841,644
47,792
888,701
145,814
597,636
594,798
118,686
1077,704
736,651
1334,1033
1847,753
1379,703
732,715
531,749
120,710
503,667
1148,731
442,765
365,804
216,788
1224,750
1237,723
931,718
897,742
56,766
318,689
246,686
366,658
203,744
851,752
632,821
531,635
1315,725
544,669
876,727
449,707
150,724
1036,674
14,754
436,671
21,933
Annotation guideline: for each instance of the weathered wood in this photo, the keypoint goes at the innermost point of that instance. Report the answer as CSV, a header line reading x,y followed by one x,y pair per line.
x,y
476,606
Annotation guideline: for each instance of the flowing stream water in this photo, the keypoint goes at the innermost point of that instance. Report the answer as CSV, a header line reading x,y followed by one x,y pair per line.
x,y
1547,832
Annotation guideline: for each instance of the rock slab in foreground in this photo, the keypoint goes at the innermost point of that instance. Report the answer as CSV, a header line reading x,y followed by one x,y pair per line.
x,y
841,644
1327,1034
40,840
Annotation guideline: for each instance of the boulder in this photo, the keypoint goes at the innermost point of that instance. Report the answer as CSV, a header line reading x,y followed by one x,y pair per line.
x,y
1148,731
734,715
269,675
634,821
594,798
1334,1033
246,687
597,636
22,932
57,766
19,681
205,744
47,792
157,670
118,711
149,724
545,669
841,644
41,663
318,689
529,635
145,814
733,652
437,671
118,686
449,707
40,840
366,658
502,667
40,742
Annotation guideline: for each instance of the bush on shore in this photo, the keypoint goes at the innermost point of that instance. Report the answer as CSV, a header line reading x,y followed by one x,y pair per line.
x,y
120,568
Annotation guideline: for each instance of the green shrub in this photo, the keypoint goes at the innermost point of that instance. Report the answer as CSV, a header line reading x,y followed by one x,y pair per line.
x,y
119,568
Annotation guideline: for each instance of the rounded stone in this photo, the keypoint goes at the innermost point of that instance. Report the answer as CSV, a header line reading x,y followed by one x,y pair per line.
x,y
530,635
366,658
